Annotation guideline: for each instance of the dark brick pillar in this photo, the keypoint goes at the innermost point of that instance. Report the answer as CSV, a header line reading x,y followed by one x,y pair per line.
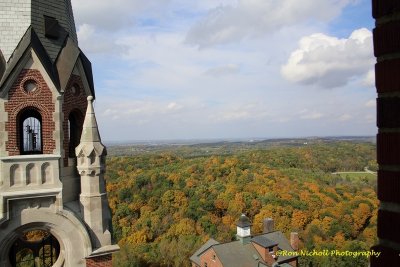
x,y
387,69
100,261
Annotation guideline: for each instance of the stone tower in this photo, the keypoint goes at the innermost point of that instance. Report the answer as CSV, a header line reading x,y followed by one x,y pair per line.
x,y
52,160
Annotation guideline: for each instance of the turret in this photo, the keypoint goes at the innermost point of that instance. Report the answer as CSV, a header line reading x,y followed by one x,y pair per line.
x,y
46,88
91,167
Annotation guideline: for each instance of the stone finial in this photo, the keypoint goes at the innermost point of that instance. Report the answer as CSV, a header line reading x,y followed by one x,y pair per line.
x,y
90,139
90,131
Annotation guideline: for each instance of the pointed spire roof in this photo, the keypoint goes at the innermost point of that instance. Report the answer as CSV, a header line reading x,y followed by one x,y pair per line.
x,y
48,27
52,20
90,139
90,132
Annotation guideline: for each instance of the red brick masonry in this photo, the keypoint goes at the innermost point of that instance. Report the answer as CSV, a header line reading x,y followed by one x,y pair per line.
x,y
76,103
101,261
41,100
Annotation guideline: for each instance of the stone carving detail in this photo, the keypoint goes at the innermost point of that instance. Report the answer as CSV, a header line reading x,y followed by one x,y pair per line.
x,y
31,174
92,158
35,174
15,175
46,173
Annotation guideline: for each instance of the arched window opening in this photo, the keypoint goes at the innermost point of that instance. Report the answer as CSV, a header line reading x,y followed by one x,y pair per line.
x,y
35,248
74,131
75,89
31,132
25,257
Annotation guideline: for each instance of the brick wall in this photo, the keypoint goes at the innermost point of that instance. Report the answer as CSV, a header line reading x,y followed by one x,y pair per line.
x,y
41,100
76,103
387,51
101,261
264,253
210,258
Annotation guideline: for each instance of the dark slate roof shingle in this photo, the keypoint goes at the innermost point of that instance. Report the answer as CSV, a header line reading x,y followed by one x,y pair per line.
x,y
237,254
68,54
263,241
244,221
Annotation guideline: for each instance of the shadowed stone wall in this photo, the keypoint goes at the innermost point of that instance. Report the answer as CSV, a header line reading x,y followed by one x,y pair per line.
x,y
387,51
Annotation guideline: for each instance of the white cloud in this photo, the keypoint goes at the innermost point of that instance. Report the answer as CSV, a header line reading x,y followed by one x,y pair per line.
x,y
174,106
369,79
163,63
312,116
120,15
370,119
345,117
134,110
160,87
240,112
223,70
116,14
330,62
250,18
231,116
371,104
92,41
306,114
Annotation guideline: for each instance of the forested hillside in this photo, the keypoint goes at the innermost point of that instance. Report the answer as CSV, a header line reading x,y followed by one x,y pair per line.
x,y
165,206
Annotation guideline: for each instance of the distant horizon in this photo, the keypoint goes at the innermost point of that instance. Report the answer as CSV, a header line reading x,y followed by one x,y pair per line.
x,y
238,139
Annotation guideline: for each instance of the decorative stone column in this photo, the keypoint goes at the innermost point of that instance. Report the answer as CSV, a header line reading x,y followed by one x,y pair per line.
x,y
95,211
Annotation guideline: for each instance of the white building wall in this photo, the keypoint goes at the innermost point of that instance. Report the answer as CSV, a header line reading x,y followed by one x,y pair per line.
x,y
14,21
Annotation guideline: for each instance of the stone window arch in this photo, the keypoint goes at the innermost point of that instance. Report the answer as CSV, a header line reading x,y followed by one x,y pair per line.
x,y
30,131
35,247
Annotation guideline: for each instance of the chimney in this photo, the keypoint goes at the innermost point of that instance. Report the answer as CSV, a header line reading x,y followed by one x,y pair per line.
x,y
268,225
243,229
294,240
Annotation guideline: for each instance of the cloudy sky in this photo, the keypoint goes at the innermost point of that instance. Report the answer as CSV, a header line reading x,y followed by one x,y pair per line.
x,y
179,69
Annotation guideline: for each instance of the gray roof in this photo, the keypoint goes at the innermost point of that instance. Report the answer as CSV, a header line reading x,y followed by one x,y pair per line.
x,y
59,71
244,221
237,254
195,257
264,242
49,18
279,238
59,11
29,40
3,64
283,244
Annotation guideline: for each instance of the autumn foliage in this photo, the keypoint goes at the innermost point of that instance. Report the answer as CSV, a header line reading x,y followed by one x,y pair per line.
x,y
165,206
